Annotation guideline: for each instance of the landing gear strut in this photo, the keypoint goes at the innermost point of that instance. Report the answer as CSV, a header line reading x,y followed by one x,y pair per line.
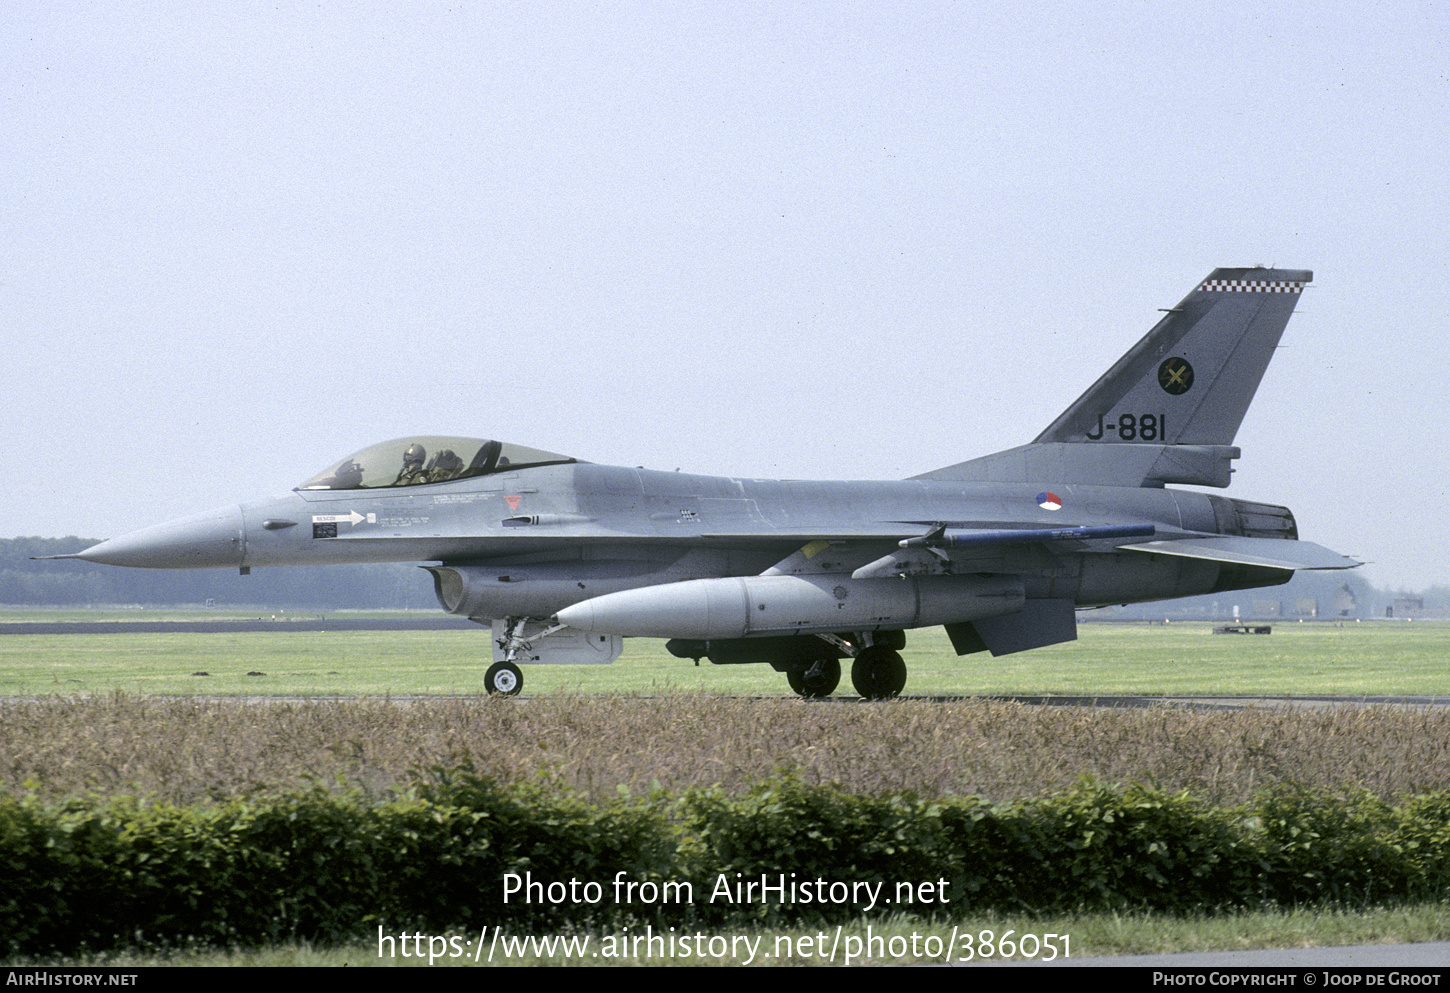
x,y
818,679
503,679
878,673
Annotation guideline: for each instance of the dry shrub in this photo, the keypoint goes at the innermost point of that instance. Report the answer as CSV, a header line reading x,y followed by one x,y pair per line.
x,y
182,750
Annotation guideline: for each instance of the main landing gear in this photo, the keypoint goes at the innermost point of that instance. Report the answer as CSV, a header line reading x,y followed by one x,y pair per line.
x,y
819,679
878,673
812,663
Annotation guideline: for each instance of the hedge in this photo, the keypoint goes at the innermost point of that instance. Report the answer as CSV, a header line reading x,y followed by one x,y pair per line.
x,y
327,866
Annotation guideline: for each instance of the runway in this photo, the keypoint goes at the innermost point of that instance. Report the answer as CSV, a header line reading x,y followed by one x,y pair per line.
x,y
1304,701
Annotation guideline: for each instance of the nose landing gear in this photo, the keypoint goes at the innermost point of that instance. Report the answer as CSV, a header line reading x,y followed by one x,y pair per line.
x,y
503,679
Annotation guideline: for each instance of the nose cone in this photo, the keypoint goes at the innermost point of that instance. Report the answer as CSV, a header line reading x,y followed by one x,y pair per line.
x,y
214,539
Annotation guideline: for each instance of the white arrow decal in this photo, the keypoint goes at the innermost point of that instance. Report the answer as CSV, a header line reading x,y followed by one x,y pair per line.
x,y
351,518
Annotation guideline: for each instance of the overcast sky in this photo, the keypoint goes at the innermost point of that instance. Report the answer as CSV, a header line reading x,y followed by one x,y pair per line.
x,y
805,240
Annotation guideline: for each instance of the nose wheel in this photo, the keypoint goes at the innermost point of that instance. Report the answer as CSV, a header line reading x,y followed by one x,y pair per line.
x,y
503,679
878,673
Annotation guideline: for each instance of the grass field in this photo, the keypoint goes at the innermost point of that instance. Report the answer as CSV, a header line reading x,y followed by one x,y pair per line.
x,y
1349,660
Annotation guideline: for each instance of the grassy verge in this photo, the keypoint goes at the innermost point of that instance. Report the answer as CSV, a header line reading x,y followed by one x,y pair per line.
x,y
1107,659
1088,935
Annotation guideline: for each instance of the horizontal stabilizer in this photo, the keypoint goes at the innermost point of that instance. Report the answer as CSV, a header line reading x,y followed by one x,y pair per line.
x,y
1272,553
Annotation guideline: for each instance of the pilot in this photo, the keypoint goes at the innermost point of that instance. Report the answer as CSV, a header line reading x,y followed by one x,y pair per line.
x,y
444,465
412,471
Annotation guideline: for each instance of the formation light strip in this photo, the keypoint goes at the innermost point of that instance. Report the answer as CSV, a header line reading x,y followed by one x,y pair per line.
x,y
1250,286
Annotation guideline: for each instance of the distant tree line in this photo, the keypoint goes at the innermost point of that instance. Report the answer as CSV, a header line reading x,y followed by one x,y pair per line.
x,y
73,583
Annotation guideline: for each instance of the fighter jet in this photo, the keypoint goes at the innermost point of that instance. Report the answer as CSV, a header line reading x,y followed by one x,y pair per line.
x,y
563,558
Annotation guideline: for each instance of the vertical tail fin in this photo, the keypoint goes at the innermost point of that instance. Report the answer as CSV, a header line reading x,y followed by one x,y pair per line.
x,y
1191,379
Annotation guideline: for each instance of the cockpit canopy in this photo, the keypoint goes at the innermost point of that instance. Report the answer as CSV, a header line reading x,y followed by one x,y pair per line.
x,y
413,461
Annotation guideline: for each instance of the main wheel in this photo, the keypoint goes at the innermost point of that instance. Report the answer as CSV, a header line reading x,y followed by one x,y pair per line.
x,y
504,679
818,679
878,673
